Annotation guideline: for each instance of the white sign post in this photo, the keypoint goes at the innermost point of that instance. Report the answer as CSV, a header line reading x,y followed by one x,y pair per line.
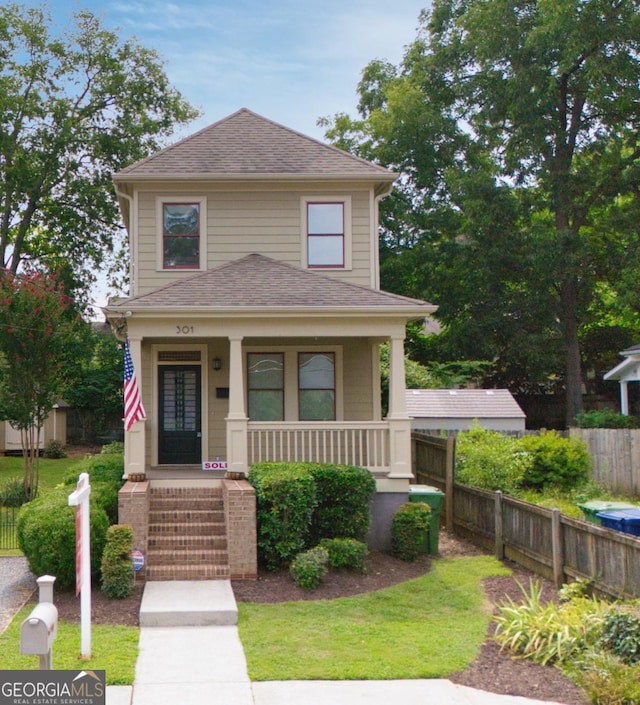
x,y
80,500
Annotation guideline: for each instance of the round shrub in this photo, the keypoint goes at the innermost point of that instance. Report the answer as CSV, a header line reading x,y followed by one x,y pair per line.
x,y
556,461
55,450
409,527
621,635
344,501
346,553
47,536
308,568
490,460
286,498
116,565
113,448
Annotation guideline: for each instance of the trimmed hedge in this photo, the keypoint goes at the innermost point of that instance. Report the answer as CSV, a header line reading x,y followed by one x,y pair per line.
x,y
556,461
116,564
101,468
47,536
346,553
286,498
344,501
409,527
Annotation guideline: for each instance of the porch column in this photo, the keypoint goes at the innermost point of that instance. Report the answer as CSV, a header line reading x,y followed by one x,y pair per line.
x,y
134,446
237,438
399,422
624,398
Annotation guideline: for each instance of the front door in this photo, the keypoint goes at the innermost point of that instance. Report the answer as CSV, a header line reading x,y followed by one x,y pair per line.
x,y
180,429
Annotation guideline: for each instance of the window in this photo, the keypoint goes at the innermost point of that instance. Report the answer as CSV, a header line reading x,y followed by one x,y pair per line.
x,y
265,385
316,386
181,235
327,232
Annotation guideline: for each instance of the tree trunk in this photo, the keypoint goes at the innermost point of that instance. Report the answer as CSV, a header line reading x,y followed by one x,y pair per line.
x,y
573,371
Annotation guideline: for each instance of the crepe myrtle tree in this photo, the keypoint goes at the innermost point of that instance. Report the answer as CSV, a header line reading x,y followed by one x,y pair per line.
x,y
74,109
39,328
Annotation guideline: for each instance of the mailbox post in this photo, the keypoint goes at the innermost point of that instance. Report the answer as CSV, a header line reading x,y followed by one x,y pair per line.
x,y
40,628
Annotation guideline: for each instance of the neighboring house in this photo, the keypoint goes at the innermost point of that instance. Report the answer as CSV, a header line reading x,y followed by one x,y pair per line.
x,y
54,429
459,409
626,371
255,314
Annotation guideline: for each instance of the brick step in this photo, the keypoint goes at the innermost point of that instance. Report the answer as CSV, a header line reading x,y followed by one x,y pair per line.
x,y
187,557
181,542
186,492
192,528
167,503
201,571
185,516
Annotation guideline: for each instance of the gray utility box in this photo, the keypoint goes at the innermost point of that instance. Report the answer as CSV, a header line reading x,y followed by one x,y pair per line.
x,y
39,629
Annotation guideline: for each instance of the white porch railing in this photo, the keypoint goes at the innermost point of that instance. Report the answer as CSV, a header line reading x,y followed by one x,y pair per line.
x,y
365,444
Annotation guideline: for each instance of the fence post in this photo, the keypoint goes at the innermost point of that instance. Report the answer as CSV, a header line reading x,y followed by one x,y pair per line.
x,y
499,550
449,478
556,547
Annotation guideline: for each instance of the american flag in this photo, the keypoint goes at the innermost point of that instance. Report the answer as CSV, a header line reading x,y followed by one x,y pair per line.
x,y
133,409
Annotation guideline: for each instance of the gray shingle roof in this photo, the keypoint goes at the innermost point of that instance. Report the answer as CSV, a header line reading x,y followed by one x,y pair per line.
x,y
462,403
256,281
249,145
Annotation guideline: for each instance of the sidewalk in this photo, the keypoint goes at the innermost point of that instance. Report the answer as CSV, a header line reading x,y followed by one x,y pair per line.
x,y
193,664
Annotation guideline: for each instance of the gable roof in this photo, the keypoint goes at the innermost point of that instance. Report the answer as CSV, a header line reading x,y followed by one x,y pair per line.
x,y
629,369
462,404
256,282
247,145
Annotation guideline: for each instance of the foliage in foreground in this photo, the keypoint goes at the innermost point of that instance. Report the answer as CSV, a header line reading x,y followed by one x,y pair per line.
x,y
395,633
409,530
116,566
594,642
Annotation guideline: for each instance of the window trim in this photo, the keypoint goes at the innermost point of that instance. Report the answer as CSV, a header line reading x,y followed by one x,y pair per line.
x,y
329,199
318,389
170,199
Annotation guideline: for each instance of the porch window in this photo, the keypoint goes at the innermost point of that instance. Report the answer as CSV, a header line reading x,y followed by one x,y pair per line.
x,y
265,386
316,386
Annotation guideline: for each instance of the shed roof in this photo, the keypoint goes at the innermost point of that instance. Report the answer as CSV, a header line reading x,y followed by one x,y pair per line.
x,y
629,368
259,282
248,145
462,403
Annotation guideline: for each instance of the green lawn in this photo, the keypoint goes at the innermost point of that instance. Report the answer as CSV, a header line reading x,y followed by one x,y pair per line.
x,y
425,628
51,471
113,648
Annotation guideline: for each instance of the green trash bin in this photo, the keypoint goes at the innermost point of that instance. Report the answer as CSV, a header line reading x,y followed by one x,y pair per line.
x,y
434,498
593,506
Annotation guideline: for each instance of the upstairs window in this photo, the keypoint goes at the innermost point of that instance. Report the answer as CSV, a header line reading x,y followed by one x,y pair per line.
x,y
181,232
327,232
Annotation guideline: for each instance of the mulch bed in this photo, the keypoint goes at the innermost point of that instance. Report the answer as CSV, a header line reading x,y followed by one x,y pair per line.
x,y
493,671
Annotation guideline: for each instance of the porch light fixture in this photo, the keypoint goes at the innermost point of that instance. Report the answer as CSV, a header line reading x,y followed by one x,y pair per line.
x,y
216,363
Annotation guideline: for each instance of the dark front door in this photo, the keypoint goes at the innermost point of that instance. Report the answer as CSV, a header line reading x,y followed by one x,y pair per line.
x,y
180,430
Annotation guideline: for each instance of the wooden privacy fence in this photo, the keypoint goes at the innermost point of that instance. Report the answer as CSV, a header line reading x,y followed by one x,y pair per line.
x,y
616,457
542,540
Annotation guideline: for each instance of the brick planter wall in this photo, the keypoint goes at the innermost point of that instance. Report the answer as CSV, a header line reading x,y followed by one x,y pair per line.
x,y
133,509
240,514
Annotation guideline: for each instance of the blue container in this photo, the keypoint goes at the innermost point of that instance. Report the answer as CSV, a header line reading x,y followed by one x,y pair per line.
x,y
625,520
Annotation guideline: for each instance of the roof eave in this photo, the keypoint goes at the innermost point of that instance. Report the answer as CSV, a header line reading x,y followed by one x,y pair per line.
x,y
239,177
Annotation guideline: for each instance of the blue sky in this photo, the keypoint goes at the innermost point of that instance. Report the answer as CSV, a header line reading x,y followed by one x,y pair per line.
x,y
292,61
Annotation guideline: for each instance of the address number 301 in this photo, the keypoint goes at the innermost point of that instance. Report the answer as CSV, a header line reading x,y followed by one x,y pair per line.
x,y
184,330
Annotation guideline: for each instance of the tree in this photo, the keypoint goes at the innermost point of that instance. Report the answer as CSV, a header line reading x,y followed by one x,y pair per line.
x,y
38,333
531,106
73,110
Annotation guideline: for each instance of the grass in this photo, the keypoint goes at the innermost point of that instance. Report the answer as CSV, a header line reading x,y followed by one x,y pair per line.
x,y
113,648
424,628
51,471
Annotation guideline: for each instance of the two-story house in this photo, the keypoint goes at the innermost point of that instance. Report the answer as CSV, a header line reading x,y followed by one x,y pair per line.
x,y
255,315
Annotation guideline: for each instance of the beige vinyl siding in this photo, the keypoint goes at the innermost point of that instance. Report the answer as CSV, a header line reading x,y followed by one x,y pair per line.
x,y
244,221
358,401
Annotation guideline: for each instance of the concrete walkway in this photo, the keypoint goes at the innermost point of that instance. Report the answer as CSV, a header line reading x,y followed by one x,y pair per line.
x,y
191,665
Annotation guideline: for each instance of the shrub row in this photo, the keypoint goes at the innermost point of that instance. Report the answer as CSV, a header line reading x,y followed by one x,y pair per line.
x,y
46,526
299,504
309,567
493,461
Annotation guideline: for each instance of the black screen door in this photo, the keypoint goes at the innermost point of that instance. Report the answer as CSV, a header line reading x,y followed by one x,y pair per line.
x,y
180,430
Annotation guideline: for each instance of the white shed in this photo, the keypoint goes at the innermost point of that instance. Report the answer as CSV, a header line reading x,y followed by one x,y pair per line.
x,y
458,409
